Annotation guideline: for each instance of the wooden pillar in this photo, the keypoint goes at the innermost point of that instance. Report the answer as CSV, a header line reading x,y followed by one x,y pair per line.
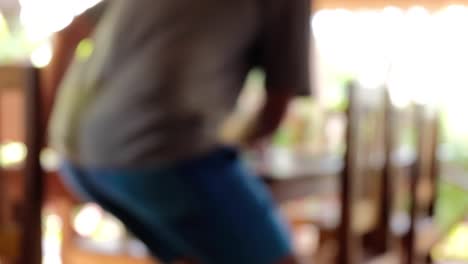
x,y
31,246
345,251
435,170
380,240
3,181
410,240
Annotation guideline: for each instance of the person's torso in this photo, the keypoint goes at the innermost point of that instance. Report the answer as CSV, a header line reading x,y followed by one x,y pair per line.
x,y
162,78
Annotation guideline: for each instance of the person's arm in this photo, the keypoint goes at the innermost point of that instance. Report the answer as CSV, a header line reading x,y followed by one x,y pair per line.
x,y
270,116
284,56
64,45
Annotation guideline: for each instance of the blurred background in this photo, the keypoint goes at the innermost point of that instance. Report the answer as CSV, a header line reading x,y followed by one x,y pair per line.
x,y
399,176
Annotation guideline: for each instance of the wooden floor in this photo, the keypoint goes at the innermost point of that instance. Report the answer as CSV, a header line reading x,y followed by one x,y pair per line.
x,y
75,255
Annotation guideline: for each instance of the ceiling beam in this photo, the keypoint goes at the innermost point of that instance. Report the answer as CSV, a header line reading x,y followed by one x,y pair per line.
x,y
379,4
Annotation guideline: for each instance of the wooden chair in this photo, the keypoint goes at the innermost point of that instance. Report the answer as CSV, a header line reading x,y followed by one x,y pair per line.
x,y
382,243
419,177
364,174
415,179
356,182
423,187
379,241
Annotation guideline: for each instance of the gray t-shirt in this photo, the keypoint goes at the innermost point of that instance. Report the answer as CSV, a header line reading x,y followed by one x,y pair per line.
x,y
165,74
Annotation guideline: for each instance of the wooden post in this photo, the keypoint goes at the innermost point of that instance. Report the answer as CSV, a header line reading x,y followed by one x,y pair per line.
x,y
3,197
434,170
345,251
3,182
410,241
31,246
384,233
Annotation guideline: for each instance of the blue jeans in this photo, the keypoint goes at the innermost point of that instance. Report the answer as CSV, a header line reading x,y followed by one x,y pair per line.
x,y
210,208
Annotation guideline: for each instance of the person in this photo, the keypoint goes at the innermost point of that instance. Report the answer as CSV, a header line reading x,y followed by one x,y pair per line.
x,y
137,121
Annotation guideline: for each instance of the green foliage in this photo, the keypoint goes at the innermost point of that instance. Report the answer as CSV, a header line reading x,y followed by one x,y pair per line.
x,y
14,44
452,204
